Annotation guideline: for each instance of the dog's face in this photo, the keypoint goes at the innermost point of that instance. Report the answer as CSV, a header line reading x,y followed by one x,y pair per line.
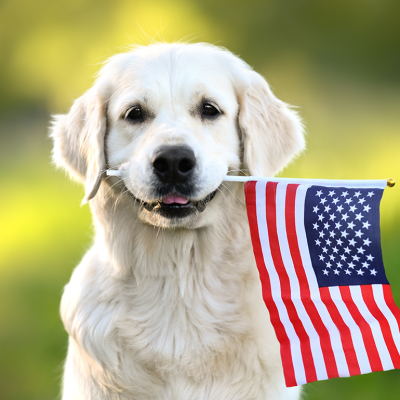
x,y
175,119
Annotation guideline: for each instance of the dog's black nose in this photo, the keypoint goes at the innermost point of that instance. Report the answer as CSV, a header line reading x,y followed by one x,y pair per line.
x,y
174,164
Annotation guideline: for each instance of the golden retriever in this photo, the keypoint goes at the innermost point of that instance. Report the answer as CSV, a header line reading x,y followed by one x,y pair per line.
x,y
167,303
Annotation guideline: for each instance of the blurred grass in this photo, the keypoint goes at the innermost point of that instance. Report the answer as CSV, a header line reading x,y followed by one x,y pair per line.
x,y
338,61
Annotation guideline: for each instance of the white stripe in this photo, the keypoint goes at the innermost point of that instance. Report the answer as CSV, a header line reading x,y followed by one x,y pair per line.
x,y
295,296
355,332
336,341
377,290
375,327
276,286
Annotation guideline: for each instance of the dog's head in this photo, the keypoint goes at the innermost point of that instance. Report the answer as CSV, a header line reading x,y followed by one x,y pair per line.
x,y
175,119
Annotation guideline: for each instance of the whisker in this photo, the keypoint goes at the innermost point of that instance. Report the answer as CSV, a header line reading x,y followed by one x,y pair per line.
x,y
238,201
120,180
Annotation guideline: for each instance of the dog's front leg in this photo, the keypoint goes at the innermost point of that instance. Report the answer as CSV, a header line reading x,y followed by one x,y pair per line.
x,y
84,379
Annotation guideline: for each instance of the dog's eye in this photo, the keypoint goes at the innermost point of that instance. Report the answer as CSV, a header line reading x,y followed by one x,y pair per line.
x,y
134,114
210,110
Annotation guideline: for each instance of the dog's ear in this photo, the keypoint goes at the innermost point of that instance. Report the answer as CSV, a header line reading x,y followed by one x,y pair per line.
x,y
79,141
272,133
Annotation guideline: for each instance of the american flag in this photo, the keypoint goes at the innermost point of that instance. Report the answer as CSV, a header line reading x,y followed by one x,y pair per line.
x,y
318,253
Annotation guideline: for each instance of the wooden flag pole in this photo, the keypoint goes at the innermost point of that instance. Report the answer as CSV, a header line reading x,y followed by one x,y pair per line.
x,y
390,182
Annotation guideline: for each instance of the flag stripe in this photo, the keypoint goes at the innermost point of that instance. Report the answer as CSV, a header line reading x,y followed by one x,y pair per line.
x,y
373,324
387,293
323,340
336,337
305,345
287,362
346,334
392,318
375,310
365,329
295,295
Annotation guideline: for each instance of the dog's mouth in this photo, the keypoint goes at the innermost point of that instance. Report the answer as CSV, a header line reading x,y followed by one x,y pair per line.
x,y
176,206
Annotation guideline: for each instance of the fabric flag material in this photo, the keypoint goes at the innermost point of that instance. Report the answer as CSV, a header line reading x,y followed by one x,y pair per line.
x,y
319,256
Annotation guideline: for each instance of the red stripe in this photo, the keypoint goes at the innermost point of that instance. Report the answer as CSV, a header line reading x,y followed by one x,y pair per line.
x,y
305,346
344,330
387,294
366,332
374,309
325,339
286,354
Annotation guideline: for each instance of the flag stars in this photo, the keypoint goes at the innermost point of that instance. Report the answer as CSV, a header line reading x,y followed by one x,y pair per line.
x,y
331,193
327,208
325,271
315,209
353,208
366,225
357,194
339,264
328,242
367,242
360,250
338,225
359,233
348,201
326,225
370,194
367,208
345,193
332,257
343,257
356,258
336,271
359,216
323,201
340,208
373,272
351,225
317,242
344,234
332,217
347,250
316,226
370,258
361,201
332,234
335,250
319,193
324,249
328,264
348,272
352,242
339,242
321,217
345,216
360,272
335,201
321,257
365,264
321,234
351,265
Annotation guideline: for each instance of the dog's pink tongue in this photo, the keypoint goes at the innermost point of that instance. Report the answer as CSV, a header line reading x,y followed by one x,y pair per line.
x,y
173,198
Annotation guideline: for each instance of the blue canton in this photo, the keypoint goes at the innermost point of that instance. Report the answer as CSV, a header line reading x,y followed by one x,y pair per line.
x,y
343,235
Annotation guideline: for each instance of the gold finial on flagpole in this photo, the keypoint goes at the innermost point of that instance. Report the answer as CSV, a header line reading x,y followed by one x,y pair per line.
x,y
391,182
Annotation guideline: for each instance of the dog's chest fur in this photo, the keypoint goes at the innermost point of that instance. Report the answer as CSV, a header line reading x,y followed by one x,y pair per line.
x,y
176,316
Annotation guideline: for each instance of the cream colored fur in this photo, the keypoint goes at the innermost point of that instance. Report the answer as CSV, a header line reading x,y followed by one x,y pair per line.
x,y
172,309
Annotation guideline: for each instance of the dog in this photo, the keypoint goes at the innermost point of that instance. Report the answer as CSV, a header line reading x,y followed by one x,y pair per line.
x,y
167,303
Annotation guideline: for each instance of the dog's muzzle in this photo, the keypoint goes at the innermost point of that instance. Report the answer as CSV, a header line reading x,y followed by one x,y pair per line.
x,y
173,167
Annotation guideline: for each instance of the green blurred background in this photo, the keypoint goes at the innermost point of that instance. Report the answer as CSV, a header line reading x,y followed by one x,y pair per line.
x,y
337,60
